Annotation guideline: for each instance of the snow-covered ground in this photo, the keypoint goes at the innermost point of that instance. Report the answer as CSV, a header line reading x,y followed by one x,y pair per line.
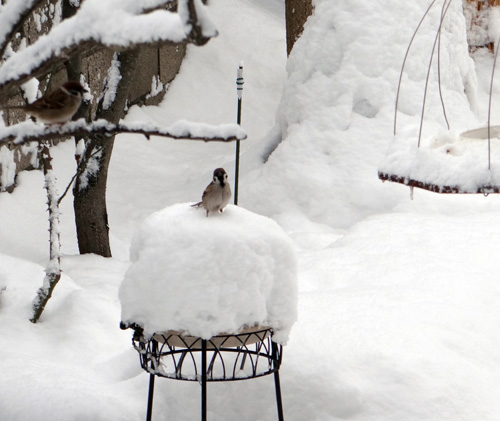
x,y
398,314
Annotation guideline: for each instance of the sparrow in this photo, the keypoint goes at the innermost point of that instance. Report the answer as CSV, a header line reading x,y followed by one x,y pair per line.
x,y
217,194
56,107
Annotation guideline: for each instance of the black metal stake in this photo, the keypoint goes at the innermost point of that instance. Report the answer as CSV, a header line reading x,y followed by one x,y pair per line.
x,y
149,414
277,385
203,380
239,91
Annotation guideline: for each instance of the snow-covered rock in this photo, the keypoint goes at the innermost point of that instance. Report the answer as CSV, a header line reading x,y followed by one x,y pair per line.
x,y
209,275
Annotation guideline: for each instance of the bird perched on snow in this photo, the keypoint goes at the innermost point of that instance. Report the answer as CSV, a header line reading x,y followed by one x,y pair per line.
x,y
217,194
56,107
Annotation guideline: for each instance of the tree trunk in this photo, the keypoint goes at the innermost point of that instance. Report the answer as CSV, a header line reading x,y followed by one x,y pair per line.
x,y
91,215
478,14
296,12
90,188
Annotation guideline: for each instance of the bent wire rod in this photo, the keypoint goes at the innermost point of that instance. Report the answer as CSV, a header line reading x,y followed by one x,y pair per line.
x,y
489,103
439,74
404,62
446,4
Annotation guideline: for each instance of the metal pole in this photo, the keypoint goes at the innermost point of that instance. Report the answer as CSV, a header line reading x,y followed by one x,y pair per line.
x,y
239,91
277,385
149,414
150,397
203,380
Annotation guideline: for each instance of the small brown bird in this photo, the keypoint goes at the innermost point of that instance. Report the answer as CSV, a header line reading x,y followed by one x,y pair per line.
x,y
56,107
217,194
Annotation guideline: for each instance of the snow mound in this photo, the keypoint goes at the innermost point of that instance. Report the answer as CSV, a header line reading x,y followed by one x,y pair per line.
x,y
336,116
209,275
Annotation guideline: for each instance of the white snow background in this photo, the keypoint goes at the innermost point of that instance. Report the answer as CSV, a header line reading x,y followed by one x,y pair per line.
x,y
398,314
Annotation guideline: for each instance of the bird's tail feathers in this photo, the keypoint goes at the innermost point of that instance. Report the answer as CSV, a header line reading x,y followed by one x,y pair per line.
x,y
196,205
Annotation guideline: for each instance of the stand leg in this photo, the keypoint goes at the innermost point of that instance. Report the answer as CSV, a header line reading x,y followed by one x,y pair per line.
x,y
149,414
150,397
277,385
203,380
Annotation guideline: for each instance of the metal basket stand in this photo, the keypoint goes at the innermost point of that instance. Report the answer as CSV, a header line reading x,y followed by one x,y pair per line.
x,y
225,357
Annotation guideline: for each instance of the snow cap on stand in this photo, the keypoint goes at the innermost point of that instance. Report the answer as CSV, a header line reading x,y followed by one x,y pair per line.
x,y
209,275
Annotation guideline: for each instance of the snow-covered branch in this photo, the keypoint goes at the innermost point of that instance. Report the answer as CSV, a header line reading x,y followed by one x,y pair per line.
x,y
53,269
115,24
29,131
12,17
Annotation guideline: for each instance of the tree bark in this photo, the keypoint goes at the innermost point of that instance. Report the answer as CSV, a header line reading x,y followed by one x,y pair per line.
x,y
478,14
89,192
91,215
296,12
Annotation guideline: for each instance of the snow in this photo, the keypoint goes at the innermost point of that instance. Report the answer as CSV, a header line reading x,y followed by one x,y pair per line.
x,y
31,91
207,27
179,129
91,169
8,173
451,160
112,23
398,315
10,14
52,198
111,82
216,274
156,87
444,158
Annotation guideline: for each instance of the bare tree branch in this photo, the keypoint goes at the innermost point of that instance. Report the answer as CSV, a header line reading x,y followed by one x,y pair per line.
x,y
28,131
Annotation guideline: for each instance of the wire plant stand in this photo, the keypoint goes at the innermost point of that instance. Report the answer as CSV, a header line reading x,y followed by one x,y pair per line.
x,y
225,357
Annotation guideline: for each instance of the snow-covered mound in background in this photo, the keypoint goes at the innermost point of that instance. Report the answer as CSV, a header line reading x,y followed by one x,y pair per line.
x,y
209,275
336,113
